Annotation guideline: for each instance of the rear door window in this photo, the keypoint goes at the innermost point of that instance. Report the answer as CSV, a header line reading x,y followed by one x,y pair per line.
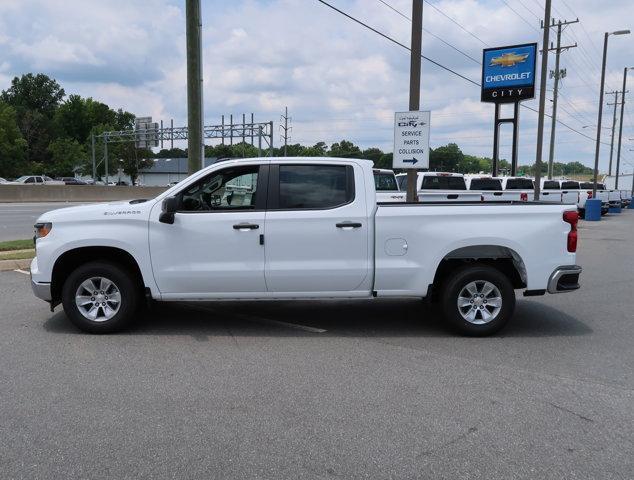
x,y
443,183
315,186
519,184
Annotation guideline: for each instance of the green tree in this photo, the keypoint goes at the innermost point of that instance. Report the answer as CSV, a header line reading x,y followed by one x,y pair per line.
x,y
345,149
12,144
132,159
446,158
35,99
67,155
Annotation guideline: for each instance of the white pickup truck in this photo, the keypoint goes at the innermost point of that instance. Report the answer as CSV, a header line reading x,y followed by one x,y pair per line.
x,y
440,187
297,228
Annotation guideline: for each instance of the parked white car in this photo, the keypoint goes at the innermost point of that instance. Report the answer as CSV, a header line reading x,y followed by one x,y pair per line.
x,y
35,180
3,180
602,194
561,191
387,187
440,187
490,188
309,228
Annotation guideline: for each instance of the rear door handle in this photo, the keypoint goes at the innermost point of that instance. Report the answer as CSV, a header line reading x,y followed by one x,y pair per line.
x,y
246,226
349,225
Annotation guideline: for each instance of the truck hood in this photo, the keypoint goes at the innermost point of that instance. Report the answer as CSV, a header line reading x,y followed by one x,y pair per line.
x,y
99,211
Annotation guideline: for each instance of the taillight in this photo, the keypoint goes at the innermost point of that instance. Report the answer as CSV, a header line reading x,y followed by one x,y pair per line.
x,y
524,197
589,194
572,218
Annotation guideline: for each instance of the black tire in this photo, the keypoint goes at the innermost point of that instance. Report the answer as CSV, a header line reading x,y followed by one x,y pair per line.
x,y
126,285
455,285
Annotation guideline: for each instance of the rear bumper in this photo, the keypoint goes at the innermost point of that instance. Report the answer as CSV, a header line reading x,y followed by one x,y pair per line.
x,y
564,279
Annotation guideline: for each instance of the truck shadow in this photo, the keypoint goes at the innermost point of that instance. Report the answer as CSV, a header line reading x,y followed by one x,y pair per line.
x,y
377,318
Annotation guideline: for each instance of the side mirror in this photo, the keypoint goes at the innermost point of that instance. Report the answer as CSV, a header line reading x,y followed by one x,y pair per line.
x,y
170,205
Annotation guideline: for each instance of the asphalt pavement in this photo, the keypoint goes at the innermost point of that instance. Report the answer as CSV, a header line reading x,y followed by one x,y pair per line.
x,y
17,219
339,389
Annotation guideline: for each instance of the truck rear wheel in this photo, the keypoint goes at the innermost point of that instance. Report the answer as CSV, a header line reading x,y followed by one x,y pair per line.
x,y
478,300
100,297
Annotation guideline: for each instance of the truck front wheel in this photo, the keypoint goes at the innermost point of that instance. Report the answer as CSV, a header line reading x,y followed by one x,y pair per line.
x,y
478,300
100,297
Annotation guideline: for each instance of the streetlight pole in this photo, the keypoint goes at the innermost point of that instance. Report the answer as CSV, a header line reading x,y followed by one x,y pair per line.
x,y
618,150
601,90
193,33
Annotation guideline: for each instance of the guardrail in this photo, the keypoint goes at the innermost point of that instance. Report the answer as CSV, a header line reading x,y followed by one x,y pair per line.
x,y
74,193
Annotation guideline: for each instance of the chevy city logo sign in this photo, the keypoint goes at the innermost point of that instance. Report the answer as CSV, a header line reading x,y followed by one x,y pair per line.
x,y
508,60
508,73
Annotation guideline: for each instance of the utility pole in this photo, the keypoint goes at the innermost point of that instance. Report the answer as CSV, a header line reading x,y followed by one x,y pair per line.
x,y
286,129
616,103
414,84
542,100
193,32
557,74
618,152
94,165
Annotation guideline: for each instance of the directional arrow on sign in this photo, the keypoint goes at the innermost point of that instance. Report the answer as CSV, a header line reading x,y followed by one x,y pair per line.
x,y
413,161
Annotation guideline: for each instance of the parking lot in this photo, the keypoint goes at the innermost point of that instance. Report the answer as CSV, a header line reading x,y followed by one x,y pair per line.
x,y
328,390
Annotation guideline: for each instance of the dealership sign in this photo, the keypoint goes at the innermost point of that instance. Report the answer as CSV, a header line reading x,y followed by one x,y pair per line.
x,y
508,73
411,140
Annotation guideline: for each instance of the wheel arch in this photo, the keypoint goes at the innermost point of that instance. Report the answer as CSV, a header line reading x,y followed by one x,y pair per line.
x,y
71,259
502,258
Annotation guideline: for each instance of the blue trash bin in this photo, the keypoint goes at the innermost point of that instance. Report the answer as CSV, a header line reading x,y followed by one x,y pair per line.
x,y
593,209
615,209
632,204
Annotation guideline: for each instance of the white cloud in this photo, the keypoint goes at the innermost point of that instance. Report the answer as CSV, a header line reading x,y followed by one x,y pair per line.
x,y
338,79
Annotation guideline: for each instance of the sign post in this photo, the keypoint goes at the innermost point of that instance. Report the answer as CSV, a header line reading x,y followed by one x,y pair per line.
x,y
508,76
411,140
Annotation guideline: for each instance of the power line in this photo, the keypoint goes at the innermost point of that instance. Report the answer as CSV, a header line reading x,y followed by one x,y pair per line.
x,y
432,34
387,37
519,15
456,22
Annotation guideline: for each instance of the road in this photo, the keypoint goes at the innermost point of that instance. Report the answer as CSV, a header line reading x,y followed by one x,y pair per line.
x,y
17,219
328,390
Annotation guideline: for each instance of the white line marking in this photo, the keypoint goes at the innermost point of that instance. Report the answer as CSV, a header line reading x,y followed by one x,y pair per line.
x,y
22,271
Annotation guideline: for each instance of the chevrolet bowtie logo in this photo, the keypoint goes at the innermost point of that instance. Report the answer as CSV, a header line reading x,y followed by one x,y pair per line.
x,y
508,59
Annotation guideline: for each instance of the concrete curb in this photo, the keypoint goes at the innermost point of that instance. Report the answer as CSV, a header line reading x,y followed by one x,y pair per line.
x,y
22,264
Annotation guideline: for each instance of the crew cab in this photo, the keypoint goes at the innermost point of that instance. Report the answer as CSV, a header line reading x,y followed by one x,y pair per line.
x,y
562,191
440,187
602,194
522,186
298,228
386,186
489,188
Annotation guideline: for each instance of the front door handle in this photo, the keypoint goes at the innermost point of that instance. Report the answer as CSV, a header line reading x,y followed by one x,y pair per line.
x,y
246,226
349,225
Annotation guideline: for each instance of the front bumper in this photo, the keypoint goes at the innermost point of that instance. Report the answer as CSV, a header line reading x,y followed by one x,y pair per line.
x,y
40,289
564,279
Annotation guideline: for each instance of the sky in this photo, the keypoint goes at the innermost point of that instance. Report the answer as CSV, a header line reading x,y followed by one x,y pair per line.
x,y
338,79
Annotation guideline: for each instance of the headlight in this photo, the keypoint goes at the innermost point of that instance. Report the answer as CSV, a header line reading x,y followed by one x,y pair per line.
x,y
42,230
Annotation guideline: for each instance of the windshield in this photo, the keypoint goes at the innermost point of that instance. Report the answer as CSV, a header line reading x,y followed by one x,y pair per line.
x,y
443,183
519,184
385,181
21,179
490,184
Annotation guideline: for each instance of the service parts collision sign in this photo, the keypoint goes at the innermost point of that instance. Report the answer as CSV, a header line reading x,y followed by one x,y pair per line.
x,y
411,140
508,73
